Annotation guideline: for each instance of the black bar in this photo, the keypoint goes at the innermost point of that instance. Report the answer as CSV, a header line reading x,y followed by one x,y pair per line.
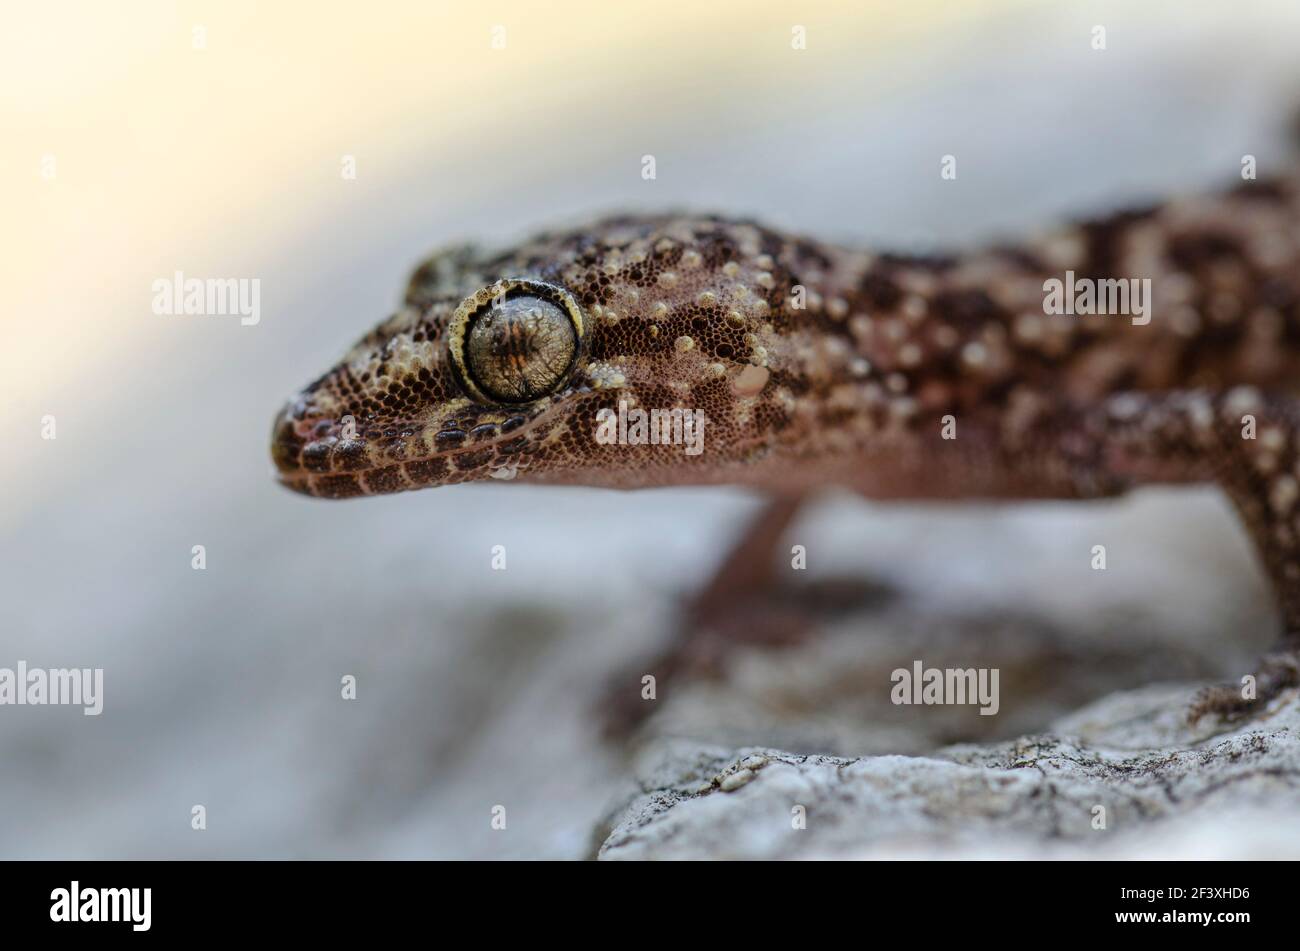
x,y
336,899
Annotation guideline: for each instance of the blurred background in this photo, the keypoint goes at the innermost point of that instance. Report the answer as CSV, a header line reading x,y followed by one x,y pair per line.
x,y
210,138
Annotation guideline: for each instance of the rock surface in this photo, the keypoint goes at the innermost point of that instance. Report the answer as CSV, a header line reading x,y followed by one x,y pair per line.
x,y
1162,789
1097,670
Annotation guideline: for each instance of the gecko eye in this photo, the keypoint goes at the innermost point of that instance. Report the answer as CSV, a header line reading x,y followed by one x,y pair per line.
x,y
515,341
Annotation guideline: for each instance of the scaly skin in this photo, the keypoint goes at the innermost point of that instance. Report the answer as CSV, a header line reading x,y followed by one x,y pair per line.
x,y
849,380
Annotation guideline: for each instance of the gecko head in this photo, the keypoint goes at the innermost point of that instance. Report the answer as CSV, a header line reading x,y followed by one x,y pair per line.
x,y
638,352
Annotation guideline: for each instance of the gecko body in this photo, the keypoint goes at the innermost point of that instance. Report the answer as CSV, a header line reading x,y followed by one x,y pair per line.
x,y
896,376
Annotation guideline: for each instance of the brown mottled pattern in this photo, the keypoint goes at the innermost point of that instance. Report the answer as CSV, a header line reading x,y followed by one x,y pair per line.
x,y
851,386
818,365
826,365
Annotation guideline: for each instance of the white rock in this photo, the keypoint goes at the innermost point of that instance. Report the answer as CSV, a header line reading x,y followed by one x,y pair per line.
x,y
1123,778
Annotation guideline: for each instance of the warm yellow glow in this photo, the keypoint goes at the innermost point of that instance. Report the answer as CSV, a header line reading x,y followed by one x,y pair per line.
x,y
162,155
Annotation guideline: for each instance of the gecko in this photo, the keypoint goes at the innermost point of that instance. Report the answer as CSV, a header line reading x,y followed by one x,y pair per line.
x,y
815,365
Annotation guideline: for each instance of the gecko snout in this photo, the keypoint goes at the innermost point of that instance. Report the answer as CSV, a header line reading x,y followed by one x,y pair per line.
x,y
285,444
302,443
345,454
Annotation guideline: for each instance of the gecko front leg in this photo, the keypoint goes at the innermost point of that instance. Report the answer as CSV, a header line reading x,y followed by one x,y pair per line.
x,y
744,603
1248,443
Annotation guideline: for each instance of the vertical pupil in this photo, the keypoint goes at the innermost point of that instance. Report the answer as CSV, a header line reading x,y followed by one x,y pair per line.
x,y
520,349
512,339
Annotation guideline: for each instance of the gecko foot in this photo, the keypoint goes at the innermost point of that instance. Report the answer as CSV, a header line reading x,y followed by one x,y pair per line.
x,y
1278,671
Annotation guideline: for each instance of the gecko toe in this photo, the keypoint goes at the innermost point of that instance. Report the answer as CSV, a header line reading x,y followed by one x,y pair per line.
x,y
1277,672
